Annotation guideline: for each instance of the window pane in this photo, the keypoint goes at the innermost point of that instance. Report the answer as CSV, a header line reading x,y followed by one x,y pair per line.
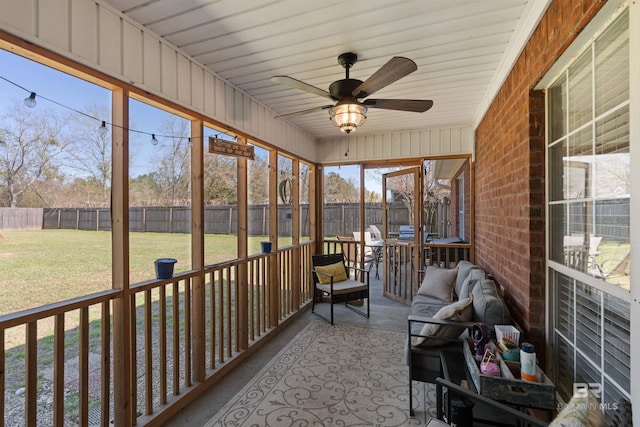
x,y
285,188
305,214
613,160
220,203
617,348
159,190
564,361
557,96
588,321
53,158
258,199
580,99
564,305
341,200
612,66
578,165
557,156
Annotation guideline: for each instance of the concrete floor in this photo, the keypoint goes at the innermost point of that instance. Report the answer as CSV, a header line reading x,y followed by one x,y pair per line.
x,y
385,314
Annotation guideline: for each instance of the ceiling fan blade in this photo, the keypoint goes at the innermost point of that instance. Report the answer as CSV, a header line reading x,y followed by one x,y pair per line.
x,y
299,113
395,69
297,84
415,105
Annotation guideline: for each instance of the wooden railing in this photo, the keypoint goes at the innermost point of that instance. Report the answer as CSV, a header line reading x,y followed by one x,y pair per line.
x,y
404,262
59,364
447,255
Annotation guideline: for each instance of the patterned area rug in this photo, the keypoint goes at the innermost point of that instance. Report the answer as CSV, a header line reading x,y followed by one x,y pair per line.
x,y
332,375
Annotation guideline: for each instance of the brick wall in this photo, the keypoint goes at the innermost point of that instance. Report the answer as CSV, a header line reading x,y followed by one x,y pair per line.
x,y
509,169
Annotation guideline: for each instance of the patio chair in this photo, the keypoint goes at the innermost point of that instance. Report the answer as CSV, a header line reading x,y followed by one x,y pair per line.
x,y
351,251
611,268
368,250
376,234
332,281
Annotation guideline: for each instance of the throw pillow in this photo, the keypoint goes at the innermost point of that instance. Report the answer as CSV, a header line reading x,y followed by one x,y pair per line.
x,y
474,275
439,283
488,306
460,311
583,410
337,270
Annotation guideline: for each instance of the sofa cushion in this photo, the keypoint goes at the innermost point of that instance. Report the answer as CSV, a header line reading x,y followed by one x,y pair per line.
x,y
438,283
427,306
337,270
464,267
488,305
460,311
474,275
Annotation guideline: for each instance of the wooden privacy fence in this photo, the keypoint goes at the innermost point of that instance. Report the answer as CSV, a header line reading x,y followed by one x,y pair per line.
x,y
175,219
21,218
169,337
338,219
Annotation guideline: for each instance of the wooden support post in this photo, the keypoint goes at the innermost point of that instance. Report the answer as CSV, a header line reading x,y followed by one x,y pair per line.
x,y
316,228
243,252
198,337
122,348
274,270
296,264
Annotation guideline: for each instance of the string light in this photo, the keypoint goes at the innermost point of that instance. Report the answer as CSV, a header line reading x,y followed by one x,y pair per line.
x,y
103,128
31,100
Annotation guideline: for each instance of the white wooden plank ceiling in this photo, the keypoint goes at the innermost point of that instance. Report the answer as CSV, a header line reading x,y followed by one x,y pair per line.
x,y
463,48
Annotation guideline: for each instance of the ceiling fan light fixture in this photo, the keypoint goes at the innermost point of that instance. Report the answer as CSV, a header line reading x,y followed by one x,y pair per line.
x,y
348,116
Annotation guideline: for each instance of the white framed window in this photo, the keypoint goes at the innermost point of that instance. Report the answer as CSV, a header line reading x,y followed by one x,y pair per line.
x,y
589,223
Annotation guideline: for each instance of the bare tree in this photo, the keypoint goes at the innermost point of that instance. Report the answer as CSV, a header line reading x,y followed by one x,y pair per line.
x,y
404,186
174,171
91,154
30,143
220,179
258,191
434,192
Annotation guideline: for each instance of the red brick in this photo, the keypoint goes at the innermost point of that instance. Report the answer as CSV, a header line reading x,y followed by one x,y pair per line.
x,y
509,169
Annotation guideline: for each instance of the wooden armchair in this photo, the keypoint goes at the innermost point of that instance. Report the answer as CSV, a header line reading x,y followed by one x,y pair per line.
x,y
332,281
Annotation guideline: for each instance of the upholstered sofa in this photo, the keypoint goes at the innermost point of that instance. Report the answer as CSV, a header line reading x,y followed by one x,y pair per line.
x,y
448,304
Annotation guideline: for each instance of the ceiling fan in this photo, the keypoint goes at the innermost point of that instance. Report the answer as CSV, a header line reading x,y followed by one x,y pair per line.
x,y
349,111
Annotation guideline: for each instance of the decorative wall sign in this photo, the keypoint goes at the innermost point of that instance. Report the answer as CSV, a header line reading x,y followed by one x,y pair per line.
x,y
228,148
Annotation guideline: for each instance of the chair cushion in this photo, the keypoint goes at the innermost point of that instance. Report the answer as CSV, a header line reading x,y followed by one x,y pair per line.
x,y
438,283
337,270
343,287
461,311
488,305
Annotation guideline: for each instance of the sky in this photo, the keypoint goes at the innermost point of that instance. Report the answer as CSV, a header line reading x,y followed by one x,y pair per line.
x,y
77,94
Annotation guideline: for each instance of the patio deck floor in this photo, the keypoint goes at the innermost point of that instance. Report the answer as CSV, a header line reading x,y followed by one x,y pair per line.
x,y
385,314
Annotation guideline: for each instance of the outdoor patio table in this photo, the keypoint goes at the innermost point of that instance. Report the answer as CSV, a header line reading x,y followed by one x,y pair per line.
x,y
376,246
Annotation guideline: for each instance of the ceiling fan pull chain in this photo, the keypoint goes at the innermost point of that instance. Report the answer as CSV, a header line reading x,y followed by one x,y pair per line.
x,y
346,153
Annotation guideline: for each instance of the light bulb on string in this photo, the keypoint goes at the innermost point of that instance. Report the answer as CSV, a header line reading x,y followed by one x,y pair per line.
x,y
31,100
154,141
103,128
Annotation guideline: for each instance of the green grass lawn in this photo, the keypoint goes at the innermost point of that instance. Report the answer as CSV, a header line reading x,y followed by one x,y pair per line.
x,y
44,266
41,267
